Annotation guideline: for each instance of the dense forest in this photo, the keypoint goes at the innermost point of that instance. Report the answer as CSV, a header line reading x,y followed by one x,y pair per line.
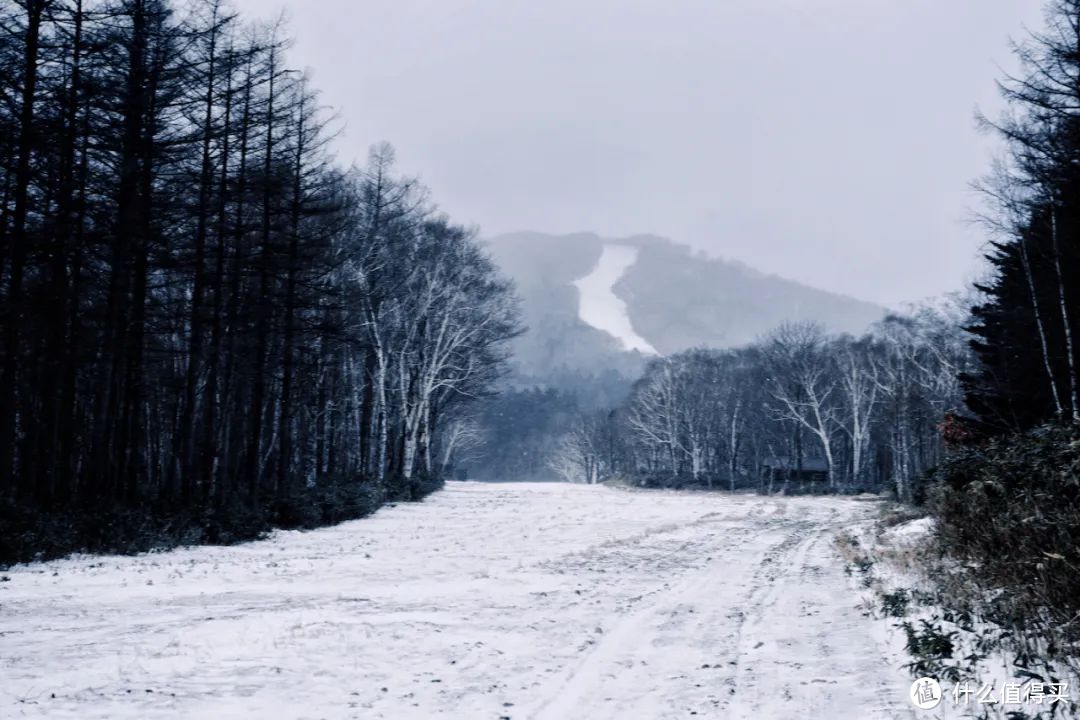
x,y
210,326
854,414
1007,496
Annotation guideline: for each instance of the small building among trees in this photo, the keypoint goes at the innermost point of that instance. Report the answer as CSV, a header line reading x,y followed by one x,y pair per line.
x,y
811,472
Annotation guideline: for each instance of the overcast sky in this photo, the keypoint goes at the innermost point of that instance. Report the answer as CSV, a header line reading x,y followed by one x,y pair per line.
x,y
828,141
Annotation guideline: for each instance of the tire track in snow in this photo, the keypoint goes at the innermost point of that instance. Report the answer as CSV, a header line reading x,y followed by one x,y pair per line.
x,y
650,663
804,650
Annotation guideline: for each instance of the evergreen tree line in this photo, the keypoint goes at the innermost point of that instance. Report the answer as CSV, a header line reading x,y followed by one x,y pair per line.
x,y
1007,497
1027,330
203,316
855,413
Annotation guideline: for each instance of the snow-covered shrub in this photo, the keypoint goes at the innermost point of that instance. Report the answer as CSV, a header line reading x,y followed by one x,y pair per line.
x,y
1008,512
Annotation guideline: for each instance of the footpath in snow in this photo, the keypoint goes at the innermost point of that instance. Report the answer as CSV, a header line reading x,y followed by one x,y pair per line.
x,y
547,601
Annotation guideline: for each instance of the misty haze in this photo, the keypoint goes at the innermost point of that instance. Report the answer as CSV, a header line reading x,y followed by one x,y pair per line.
x,y
560,361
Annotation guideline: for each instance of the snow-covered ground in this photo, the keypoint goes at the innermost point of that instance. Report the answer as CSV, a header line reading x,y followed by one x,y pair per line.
x,y
599,306
485,601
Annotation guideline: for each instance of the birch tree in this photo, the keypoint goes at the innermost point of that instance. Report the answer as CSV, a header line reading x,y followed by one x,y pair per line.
x,y
804,384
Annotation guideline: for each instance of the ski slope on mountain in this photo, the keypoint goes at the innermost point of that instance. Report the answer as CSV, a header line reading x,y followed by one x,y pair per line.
x,y
545,601
600,307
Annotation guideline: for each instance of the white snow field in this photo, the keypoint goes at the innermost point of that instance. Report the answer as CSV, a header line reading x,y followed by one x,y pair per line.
x,y
492,601
599,306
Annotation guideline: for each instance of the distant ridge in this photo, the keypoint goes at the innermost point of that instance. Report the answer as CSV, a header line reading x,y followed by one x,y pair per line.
x,y
675,299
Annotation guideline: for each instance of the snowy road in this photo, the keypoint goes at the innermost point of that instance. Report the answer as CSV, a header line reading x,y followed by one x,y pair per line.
x,y
485,601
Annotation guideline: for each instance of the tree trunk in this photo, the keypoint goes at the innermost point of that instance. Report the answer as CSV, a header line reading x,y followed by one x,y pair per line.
x,y
19,245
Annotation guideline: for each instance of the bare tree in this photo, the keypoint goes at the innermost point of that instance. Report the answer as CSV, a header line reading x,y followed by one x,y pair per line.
x,y
859,386
804,383
579,457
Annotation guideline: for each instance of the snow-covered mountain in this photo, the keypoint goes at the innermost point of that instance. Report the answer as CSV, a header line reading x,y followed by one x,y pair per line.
x,y
592,303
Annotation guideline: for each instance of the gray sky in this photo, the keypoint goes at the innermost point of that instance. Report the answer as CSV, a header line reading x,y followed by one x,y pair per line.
x,y
829,141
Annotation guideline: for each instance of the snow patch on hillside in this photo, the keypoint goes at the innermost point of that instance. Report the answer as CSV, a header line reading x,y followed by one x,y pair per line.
x,y
598,304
